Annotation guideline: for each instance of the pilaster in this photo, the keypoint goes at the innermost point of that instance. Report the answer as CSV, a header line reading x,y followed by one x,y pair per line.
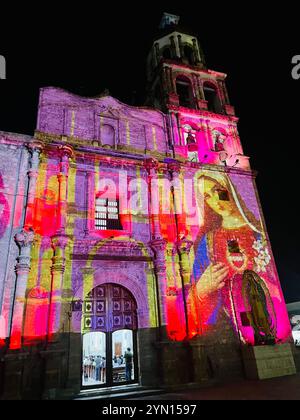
x,y
59,243
24,240
65,154
35,150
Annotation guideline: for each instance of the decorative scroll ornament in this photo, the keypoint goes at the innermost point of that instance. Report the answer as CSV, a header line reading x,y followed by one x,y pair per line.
x,y
24,238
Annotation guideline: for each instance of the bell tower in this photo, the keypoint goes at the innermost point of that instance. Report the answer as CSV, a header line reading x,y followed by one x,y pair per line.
x,y
202,122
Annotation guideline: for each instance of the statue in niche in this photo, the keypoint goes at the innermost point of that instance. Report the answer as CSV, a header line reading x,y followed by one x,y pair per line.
x,y
219,143
190,139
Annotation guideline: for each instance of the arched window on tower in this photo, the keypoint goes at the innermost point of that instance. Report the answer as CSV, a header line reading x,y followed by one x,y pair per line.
x,y
107,135
212,98
189,54
185,92
166,53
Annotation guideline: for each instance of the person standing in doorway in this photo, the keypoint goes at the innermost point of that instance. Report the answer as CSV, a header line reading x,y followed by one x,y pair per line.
x,y
103,370
98,368
128,356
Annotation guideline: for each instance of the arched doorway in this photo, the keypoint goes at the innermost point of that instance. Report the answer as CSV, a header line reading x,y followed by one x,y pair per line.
x,y
109,328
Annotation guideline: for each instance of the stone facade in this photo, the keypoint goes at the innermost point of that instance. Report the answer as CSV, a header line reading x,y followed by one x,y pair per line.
x,y
184,249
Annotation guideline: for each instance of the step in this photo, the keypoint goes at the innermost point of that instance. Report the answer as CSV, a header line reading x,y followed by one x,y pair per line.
x,y
117,393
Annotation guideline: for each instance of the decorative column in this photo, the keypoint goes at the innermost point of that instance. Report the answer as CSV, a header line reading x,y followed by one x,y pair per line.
x,y
221,92
195,86
167,80
200,87
35,150
157,55
181,139
202,102
180,46
196,52
66,153
151,166
166,87
59,244
210,141
24,241
87,203
158,246
158,243
172,94
174,129
235,140
174,170
225,93
173,47
170,81
183,244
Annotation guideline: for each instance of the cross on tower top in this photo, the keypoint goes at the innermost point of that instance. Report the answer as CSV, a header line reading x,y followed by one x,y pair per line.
x,y
168,20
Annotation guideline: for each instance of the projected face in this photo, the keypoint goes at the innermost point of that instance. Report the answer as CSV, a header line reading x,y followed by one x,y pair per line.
x,y
218,198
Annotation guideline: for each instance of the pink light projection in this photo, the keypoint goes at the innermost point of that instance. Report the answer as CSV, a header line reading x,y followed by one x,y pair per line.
x,y
214,267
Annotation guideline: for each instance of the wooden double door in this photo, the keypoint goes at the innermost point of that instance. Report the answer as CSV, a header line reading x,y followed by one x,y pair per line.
x,y
109,337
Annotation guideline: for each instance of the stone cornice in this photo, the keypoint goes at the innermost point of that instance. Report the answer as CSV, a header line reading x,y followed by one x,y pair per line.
x,y
202,113
125,248
14,138
87,146
116,159
193,69
216,168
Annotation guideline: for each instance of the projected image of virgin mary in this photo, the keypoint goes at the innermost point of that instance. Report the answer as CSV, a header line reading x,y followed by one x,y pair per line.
x,y
230,259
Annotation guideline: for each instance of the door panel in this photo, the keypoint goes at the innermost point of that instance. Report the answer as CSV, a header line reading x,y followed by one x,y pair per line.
x,y
121,341
94,359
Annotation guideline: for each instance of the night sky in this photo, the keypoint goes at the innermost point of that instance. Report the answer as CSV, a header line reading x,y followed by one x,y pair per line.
x,y
89,48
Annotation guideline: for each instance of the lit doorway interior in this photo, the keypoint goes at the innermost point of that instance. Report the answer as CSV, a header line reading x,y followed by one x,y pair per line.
x,y
109,355
122,345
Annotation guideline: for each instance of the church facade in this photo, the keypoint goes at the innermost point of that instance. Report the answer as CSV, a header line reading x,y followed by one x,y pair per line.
x,y
133,244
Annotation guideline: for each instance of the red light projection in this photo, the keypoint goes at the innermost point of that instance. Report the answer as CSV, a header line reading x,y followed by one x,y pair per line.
x,y
45,213
36,316
4,209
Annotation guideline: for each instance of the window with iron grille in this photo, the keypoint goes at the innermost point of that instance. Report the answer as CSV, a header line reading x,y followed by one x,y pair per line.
x,y
107,214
